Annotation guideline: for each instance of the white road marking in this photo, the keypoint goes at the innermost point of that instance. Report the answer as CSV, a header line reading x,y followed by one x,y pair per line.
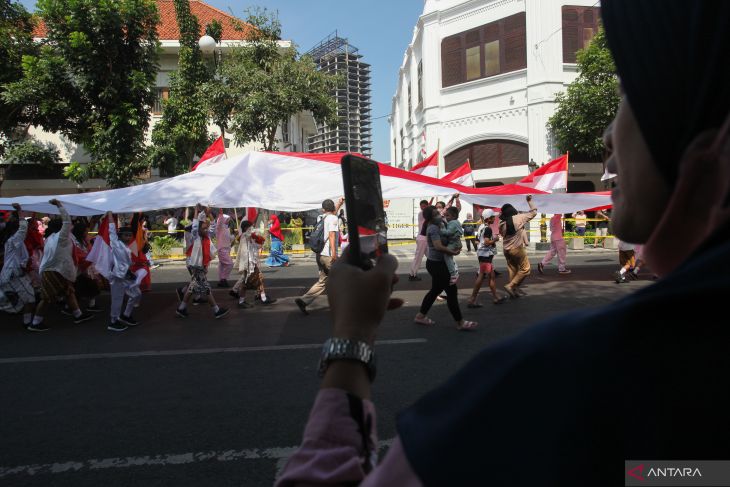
x,y
281,455
201,351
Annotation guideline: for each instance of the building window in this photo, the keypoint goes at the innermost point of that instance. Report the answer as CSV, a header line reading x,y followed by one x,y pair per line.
x,y
160,95
473,63
285,131
420,82
488,154
410,106
491,58
504,45
580,24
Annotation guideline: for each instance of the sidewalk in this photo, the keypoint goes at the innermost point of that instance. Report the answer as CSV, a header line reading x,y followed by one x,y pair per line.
x,y
406,251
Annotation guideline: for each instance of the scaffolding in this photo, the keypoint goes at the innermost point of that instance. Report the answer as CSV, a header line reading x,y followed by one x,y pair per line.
x,y
336,55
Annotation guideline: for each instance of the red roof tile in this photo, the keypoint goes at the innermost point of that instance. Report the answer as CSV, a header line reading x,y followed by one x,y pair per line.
x,y
168,29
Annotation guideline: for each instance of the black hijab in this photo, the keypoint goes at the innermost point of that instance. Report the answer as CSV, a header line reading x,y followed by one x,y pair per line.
x,y
506,213
672,58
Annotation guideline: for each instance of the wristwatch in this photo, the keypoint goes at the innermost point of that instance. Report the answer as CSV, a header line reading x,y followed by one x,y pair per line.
x,y
346,349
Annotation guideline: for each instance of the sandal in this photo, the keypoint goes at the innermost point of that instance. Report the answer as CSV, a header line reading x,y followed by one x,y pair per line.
x,y
425,321
511,292
500,300
467,325
473,305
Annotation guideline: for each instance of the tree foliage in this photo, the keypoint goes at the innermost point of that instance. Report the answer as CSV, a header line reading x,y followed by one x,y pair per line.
x,y
589,104
260,85
32,152
16,40
183,130
92,80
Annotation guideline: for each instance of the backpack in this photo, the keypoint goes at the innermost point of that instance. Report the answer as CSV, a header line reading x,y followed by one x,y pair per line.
x,y
316,238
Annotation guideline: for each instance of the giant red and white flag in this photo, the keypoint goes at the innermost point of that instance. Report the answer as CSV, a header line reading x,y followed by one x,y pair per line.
x,y
551,176
428,167
461,175
213,154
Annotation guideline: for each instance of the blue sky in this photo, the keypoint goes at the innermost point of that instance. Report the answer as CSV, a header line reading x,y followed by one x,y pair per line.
x,y
381,29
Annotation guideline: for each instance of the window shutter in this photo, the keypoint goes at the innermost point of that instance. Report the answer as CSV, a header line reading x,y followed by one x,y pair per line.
x,y
456,158
514,153
515,43
572,36
452,61
486,155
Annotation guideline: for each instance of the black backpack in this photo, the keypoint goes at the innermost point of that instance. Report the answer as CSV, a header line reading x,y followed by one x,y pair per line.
x,y
316,238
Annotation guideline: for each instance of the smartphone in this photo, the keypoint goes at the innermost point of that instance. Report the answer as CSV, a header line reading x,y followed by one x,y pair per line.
x,y
367,231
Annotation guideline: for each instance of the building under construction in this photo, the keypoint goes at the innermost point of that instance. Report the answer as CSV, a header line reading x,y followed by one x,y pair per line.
x,y
353,133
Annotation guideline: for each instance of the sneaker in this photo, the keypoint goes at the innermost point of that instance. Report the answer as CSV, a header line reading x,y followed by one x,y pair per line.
x,y
197,301
93,309
233,294
180,294
221,313
182,313
38,327
155,266
83,317
540,268
244,305
223,283
302,306
114,326
565,271
66,312
619,278
269,301
128,320
414,278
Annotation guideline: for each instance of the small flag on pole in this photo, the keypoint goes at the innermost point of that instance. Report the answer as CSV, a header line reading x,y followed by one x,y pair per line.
x,y
213,154
428,167
461,175
553,175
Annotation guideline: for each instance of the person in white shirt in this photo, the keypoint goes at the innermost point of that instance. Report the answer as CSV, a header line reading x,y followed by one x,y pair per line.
x,y
171,223
247,261
199,256
557,247
327,257
58,272
15,281
121,280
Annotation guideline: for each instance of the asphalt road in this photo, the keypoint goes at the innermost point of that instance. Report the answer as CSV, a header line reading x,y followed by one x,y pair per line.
x,y
204,402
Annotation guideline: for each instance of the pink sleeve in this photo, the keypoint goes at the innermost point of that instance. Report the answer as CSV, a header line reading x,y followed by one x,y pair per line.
x,y
339,446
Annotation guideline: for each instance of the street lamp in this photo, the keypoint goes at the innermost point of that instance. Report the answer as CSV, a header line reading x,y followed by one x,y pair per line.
x,y
208,45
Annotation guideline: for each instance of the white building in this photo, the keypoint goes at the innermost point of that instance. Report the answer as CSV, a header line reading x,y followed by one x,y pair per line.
x,y
478,82
27,179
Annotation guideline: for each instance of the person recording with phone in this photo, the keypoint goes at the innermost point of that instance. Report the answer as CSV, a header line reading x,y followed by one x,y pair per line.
x,y
570,400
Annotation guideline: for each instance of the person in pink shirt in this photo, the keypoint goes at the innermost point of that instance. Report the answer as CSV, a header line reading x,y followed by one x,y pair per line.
x,y
557,246
573,400
223,241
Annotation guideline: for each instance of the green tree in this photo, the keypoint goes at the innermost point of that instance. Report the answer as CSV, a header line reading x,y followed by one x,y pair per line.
x,y
589,104
260,85
93,78
183,130
16,40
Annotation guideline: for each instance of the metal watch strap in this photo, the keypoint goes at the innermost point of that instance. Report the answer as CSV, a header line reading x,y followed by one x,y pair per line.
x,y
346,349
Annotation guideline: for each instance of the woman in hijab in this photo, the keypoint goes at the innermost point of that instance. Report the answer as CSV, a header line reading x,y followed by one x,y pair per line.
x,y
574,400
512,229
276,254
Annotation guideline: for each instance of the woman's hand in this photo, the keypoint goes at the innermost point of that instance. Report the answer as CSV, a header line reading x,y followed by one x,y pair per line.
x,y
358,298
